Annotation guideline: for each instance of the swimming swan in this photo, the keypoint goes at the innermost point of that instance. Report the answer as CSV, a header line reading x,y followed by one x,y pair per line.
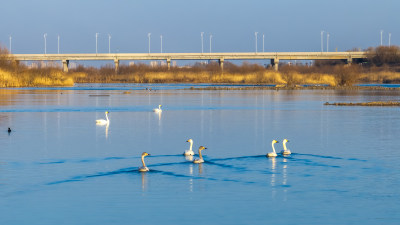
x,y
272,154
285,151
144,167
158,110
103,122
190,151
200,160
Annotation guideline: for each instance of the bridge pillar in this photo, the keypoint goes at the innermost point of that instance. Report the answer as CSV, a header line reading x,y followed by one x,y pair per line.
x,y
65,64
349,61
116,62
169,64
275,63
221,63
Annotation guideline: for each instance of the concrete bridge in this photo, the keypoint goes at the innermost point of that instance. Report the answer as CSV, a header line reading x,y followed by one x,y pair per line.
x,y
275,57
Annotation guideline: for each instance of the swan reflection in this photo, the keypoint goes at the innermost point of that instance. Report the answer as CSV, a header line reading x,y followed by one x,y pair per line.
x,y
191,173
144,181
284,182
273,169
200,169
189,158
107,130
159,116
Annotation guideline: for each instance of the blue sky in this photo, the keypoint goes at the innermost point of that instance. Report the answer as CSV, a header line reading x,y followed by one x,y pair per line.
x,y
288,25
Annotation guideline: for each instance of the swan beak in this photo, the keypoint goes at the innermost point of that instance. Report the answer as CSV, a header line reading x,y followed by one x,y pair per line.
x,y
205,148
148,154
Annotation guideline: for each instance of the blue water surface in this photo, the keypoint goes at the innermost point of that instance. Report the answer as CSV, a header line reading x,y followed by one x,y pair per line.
x,y
58,167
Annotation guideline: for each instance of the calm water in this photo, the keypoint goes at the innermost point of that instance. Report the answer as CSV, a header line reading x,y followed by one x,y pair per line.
x,y
58,167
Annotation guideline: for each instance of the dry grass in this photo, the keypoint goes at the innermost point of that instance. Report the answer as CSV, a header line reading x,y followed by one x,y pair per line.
x,y
13,74
29,79
339,75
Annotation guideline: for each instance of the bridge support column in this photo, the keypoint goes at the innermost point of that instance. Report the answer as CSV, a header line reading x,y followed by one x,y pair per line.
x,y
221,63
349,61
275,63
65,64
116,62
169,64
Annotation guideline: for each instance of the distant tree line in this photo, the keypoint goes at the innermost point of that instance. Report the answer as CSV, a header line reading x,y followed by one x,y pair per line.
x,y
388,56
384,55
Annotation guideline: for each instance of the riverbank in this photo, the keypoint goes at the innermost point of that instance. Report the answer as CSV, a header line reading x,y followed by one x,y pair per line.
x,y
256,80
282,79
380,103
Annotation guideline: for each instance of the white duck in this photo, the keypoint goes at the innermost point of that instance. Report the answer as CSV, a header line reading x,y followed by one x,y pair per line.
x,y
144,167
103,122
158,110
272,154
285,151
200,160
190,151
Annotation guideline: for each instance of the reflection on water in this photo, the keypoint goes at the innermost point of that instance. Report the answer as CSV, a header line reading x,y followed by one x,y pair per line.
x,y
57,160
285,178
273,170
159,117
200,166
189,158
144,181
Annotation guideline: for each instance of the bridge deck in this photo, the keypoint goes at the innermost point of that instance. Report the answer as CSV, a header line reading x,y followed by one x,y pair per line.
x,y
195,56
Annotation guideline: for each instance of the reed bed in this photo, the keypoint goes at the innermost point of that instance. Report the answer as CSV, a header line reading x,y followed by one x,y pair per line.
x,y
12,74
339,75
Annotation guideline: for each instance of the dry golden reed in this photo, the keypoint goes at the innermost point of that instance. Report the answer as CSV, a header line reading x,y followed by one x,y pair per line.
x,y
29,79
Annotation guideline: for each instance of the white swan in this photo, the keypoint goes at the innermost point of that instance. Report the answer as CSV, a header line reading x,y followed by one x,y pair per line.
x,y
190,151
285,151
158,110
272,154
103,122
200,160
144,167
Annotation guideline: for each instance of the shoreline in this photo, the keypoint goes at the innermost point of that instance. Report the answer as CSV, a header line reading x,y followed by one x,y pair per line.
x,y
278,87
233,86
380,103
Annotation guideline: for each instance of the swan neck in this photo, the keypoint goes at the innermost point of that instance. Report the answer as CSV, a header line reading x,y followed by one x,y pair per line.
x,y
144,165
107,116
191,145
284,146
273,147
201,157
